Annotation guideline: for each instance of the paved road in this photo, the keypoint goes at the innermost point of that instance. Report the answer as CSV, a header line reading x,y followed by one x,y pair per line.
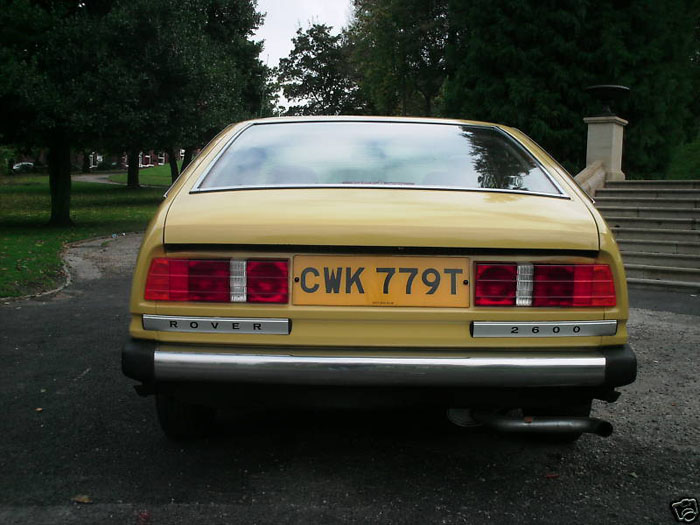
x,y
102,178
93,436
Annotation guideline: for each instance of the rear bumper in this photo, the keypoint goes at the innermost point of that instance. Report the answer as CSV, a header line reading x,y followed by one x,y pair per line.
x,y
606,367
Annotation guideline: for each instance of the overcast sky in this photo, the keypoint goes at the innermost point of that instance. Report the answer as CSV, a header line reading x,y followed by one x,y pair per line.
x,y
284,17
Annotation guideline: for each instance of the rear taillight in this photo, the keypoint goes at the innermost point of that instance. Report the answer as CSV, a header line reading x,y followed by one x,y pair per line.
x,y
573,285
267,281
495,284
188,280
220,280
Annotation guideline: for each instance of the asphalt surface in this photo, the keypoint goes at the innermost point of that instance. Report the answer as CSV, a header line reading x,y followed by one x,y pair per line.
x,y
72,426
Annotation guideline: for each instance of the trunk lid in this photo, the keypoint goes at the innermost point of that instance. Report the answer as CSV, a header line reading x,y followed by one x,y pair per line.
x,y
381,217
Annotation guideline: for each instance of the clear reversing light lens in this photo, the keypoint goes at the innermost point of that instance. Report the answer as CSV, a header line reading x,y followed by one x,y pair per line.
x,y
239,287
523,294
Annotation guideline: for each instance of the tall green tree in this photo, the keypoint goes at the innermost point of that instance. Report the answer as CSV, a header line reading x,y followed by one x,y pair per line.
x,y
318,74
525,63
399,51
47,83
186,69
125,75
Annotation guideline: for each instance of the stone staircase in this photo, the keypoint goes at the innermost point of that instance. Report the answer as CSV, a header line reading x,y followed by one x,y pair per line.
x,y
657,226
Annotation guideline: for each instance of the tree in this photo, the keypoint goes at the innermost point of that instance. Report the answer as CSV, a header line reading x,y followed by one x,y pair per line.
x,y
525,63
399,51
46,91
318,74
187,69
125,75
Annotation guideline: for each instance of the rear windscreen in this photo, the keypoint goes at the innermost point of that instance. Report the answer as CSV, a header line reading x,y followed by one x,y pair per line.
x,y
394,154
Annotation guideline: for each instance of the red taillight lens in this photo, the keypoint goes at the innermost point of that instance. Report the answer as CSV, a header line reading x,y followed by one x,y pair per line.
x,y
595,288
209,281
554,285
573,285
188,280
267,281
158,281
495,284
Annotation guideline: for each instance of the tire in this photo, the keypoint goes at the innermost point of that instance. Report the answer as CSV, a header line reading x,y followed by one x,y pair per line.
x,y
579,410
181,421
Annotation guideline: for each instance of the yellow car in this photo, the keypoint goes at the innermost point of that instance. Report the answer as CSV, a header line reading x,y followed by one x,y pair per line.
x,y
336,260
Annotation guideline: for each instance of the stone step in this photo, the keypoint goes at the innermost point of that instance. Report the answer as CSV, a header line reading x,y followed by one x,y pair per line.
x,y
646,234
646,202
647,184
650,212
656,246
660,223
662,284
669,273
689,193
661,259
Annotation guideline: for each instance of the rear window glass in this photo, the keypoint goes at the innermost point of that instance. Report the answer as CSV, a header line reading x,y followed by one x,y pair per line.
x,y
394,154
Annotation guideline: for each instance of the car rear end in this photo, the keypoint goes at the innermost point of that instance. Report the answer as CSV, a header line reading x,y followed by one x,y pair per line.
x,y
380,291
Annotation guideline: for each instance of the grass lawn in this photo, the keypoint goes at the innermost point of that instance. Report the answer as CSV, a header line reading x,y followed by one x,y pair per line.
x,y
155,176
30,259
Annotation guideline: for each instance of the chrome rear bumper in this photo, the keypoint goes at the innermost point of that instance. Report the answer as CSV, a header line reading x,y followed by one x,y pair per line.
x,y
494,370
150,362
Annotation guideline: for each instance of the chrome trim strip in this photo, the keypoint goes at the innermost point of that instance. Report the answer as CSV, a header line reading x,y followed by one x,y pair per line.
x,y
543,329
493,369
375,187
216,325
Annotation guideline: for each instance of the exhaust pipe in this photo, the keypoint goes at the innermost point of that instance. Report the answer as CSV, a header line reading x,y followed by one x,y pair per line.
x,y
544,424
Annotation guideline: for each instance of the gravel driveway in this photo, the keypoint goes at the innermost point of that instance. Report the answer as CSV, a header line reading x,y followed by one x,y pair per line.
x,y
73,428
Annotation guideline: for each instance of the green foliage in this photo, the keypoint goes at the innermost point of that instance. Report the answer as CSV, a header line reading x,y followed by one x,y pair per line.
x,y
185,69
30,251
7,156
124,74
685,161
46,56
318,74
398,48
525,63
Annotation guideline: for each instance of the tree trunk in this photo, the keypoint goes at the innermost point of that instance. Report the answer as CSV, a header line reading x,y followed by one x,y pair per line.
x,y
132,177
59,180
404,96
428,106
187,158
173,164
86,162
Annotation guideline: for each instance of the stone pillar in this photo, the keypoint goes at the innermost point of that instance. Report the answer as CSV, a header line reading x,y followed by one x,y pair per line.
x,y
605,144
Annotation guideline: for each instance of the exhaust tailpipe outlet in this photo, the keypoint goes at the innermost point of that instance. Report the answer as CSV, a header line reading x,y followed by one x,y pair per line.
x,y
545,424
